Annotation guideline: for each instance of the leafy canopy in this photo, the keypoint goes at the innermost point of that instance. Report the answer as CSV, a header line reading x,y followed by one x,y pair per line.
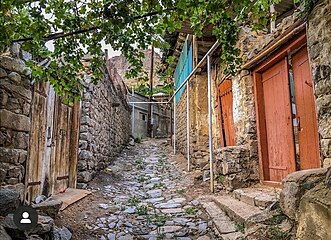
x,y
78,27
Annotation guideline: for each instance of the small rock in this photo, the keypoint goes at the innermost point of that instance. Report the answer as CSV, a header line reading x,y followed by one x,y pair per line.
x,y
170,229
40,199
111,236
167,205
61,233
155,193
34,237
112,225
103,206
202,228
130,210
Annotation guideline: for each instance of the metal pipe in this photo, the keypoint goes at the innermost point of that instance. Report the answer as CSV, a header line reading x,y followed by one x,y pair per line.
x,y
133,109
174,126
188,127
211,50
149,102
210,130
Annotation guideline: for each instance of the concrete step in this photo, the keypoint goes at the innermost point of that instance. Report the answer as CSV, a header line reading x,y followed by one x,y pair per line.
x,y
259,197
226,228
238,211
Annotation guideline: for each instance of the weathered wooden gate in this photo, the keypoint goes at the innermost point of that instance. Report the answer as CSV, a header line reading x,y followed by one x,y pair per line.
x,y
52,160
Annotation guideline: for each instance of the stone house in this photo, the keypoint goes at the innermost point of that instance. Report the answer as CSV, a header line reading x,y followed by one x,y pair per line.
x,y
273,117
47,146
139,116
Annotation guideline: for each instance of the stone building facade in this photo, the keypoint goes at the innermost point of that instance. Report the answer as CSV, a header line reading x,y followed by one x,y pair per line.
x,y
105,124
15,122
39,134
240,164
161,116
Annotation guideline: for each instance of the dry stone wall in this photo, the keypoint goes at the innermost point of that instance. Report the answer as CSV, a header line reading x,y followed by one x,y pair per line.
x,y
105,124
15,124
319,49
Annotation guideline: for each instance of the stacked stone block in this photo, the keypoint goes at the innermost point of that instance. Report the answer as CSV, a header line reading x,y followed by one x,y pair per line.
x,y
104,125
15,124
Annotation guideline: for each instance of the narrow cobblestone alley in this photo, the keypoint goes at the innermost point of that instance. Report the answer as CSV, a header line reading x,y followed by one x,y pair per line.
x,y
140,196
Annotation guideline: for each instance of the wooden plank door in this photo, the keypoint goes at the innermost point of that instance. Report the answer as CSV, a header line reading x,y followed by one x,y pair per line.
x,y
226,103
306,111
34,171
61,152
278,122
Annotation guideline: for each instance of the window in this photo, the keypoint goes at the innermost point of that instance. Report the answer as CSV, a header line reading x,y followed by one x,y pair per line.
x,y
143,116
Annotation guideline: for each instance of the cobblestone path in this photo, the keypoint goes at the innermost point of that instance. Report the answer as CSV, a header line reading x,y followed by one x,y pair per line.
x,y
146,201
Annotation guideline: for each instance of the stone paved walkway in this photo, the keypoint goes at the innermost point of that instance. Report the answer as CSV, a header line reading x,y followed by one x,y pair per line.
x,y
148,201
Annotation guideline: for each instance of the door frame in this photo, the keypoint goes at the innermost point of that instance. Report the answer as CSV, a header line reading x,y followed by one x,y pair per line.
x,y
295,43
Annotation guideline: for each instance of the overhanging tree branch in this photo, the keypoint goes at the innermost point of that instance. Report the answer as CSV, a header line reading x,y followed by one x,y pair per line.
x,y
58,35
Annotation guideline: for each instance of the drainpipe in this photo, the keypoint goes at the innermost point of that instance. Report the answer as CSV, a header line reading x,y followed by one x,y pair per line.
x,y
188,127
210,130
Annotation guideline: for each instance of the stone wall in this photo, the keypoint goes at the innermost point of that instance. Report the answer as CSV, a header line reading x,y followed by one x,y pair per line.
x,y
15,124
105,124
198,104
319,49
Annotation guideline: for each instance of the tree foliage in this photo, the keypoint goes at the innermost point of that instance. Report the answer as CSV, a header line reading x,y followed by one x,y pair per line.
x,y
78,27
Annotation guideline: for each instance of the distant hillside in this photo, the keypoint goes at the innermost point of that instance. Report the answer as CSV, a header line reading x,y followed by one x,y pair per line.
x,y
122,66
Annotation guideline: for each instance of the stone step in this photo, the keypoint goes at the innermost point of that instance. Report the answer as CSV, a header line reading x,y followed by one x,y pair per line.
x,y
225,227
238,211
259,197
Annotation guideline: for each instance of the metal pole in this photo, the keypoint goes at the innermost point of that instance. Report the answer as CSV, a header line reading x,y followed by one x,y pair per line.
x,y
174,125
132,114
210,130
150,116
188,127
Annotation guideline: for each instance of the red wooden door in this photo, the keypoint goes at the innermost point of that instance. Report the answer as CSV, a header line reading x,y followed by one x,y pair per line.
x,y
306,112
226,98
278,120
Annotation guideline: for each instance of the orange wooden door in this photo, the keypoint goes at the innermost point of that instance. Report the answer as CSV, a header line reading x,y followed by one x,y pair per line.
x,y
226,98
306,112
278,121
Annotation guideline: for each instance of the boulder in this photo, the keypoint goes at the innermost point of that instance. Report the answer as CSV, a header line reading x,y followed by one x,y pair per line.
x,y
314,214
9,201
48,207
295,185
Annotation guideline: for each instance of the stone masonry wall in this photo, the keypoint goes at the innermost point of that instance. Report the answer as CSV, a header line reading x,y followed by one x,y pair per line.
x,y
198,104
105,125
319,50
15,107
